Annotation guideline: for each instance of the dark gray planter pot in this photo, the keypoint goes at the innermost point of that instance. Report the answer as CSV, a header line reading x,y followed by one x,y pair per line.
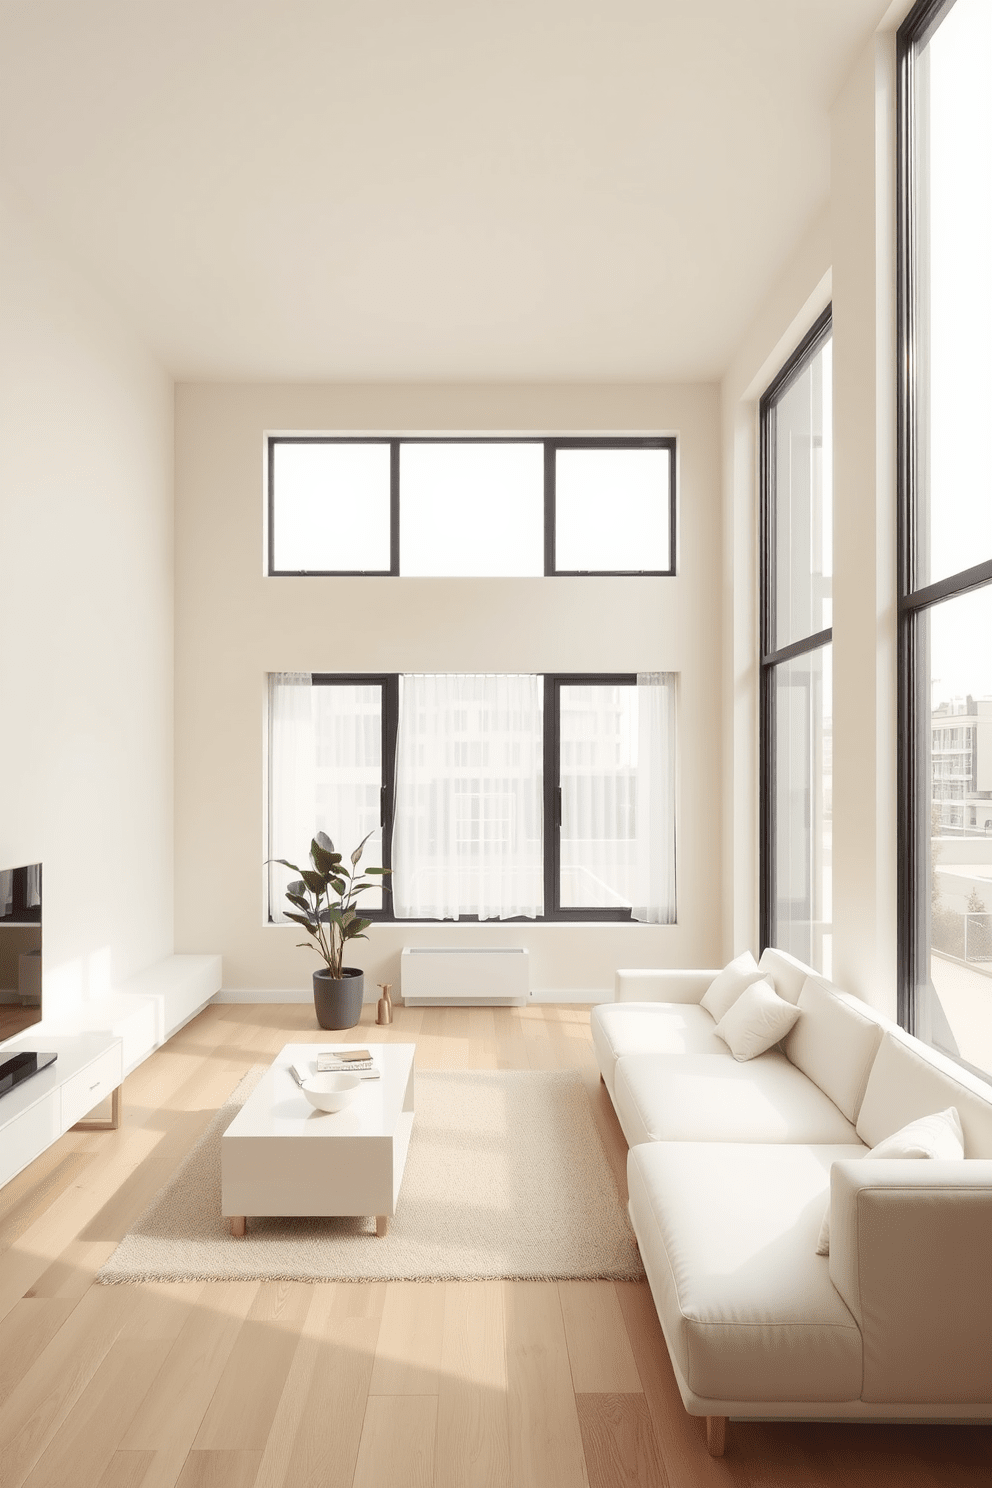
x,y
338,1000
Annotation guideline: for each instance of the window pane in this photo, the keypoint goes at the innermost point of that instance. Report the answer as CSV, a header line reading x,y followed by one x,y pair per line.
x,y
330,507
599,741
803,503
955,1013
348,746
954,370
467,837
612,510
803,808
472,510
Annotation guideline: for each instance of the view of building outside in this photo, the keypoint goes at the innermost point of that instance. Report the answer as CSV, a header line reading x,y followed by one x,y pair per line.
x,y
953,523
960,1012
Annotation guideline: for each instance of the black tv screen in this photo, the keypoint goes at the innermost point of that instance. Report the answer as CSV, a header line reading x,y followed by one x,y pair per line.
x,y
20,949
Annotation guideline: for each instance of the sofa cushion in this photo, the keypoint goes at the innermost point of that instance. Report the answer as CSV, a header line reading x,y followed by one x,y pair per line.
x,y
758,1019
834,1041
696,1097
620,1028
726,1233
908,1080
725,988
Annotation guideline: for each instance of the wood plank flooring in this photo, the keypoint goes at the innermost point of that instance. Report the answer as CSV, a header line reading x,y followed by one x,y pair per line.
x,y
388,1385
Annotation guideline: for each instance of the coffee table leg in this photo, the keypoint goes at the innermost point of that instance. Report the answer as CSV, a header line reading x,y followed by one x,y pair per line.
x,y
381,1224
238,1223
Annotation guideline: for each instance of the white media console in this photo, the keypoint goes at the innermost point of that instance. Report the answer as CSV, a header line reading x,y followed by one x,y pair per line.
x,y
98,1044
37,1112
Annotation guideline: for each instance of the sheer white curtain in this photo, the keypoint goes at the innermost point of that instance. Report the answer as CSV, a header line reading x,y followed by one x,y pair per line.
x,y
292,780
467,834
598,773
654,818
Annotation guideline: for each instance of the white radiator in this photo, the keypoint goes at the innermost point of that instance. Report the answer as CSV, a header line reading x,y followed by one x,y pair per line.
x,y
459,977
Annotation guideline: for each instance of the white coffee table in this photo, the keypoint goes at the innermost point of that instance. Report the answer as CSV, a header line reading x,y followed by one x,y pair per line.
x,y
279,1156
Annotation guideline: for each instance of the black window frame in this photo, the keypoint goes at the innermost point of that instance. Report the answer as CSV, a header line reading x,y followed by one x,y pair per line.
x,y
770,655
394,508
550,444
915,600
388,682
553,911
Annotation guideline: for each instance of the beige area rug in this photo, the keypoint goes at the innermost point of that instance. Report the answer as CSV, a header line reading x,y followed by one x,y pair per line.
x,y
506,1177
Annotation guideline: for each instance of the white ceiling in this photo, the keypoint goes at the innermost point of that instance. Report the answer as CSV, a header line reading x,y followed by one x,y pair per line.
x,y
428,189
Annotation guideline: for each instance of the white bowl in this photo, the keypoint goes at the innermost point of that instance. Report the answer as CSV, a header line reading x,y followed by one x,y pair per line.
x,y
330,1092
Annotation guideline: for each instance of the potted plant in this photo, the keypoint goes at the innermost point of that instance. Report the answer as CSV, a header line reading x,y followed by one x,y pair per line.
x,y
323,900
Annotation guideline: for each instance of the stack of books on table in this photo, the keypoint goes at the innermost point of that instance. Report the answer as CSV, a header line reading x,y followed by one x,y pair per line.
x,y
337,1061
354,1061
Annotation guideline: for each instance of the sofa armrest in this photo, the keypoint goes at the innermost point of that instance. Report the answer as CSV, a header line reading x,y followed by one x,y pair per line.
x,y
662,986
911,1255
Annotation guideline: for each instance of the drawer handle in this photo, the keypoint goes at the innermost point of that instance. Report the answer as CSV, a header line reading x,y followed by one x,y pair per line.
x,y
96,1086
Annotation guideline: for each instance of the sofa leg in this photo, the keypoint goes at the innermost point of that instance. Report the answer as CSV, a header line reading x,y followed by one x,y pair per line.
x,y
716,1435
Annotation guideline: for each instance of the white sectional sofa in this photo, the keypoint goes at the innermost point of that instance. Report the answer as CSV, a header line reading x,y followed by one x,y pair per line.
x,y
729,1172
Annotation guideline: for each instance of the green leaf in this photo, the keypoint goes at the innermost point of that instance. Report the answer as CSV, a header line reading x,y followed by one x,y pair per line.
x,y
377,870
338,885
324,860
354,930
284,863
324,841
307,921
297,887
356,855
298,900
314,882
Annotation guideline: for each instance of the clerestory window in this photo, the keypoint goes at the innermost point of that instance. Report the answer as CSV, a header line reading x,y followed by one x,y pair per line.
x,y
470,508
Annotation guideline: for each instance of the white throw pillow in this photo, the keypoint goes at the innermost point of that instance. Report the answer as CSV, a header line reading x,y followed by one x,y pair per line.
x,y
725,988
938,1136
758,1019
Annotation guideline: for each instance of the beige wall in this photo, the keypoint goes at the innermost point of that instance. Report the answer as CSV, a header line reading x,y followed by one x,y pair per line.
x,y
847,258
865,678
86,623
233,626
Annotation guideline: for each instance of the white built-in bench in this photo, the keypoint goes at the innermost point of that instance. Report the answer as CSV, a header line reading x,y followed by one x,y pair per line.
x,y
149,1008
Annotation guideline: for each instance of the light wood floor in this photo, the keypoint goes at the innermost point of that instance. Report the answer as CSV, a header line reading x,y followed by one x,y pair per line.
x,y
398,1385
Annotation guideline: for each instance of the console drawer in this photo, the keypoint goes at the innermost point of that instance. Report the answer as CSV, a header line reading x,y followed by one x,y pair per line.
x,y
28,1135
92,1085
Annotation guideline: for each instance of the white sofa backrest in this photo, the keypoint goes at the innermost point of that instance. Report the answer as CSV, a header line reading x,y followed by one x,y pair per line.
x,y
661,986
786,972
834,1042
909,1080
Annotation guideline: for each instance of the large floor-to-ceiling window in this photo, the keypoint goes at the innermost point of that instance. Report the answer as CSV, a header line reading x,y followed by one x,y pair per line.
x,y
945,82
796,653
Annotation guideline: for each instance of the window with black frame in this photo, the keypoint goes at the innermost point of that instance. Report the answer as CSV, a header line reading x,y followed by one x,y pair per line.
x,y
461,507
945,658
488,796
796,653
